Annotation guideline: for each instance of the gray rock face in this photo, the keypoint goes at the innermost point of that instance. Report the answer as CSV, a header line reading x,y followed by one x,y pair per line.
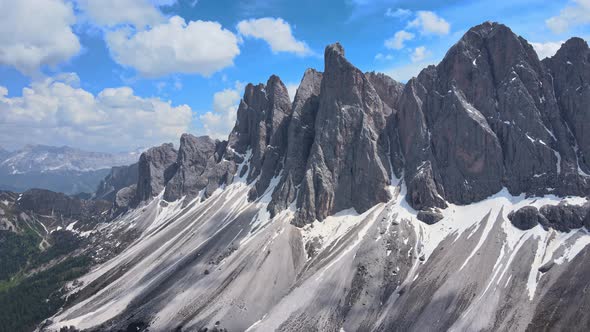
x,y
200,167
156,166
387,88
119,178
261,128
344,168
196,155
124,198
484,118
389,91
570,70
301,134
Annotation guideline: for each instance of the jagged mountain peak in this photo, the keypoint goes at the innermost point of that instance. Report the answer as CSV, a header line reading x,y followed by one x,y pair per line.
x,y
574,49
334,49
335,59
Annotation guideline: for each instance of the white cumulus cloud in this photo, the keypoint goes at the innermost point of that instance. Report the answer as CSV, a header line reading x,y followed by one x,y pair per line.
x,y
221,120
397,41
429,23
140,13
36,33
200,47
548,49
420,53
54,111
276,32
572,15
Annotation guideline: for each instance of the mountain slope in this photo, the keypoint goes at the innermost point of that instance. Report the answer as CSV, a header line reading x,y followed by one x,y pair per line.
x,y
455,202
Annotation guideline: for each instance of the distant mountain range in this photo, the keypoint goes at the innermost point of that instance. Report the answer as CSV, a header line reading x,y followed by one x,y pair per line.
x,y
62,169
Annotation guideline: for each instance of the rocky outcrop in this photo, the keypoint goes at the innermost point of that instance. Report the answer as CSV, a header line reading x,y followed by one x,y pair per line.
x,y
344,168
430,217
561,217
156,166
197,169
124,198
261,129
119,178
526,218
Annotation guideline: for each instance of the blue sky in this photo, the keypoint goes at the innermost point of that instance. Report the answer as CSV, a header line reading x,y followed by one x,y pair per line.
x,y
113,75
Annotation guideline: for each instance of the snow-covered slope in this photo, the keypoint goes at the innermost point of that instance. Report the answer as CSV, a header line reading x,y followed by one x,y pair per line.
x,y
224,261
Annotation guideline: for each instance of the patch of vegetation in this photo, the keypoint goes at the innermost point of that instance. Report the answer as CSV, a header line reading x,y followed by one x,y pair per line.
x,y
15,252
39,296
62,243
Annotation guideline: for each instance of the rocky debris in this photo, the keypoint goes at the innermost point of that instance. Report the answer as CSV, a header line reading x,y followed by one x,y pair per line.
x,y
119,178
546,267
561,217
156,166
430,217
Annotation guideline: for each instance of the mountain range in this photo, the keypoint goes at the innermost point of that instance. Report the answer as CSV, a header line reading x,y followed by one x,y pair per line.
x,y
61,169
457,201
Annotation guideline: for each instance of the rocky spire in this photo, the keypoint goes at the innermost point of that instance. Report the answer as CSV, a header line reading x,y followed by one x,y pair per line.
x,y
301,135
261,128
344,168
156,166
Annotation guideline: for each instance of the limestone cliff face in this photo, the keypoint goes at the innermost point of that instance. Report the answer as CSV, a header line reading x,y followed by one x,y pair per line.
x,y
570,73
484,118
156,166
490,115
198,168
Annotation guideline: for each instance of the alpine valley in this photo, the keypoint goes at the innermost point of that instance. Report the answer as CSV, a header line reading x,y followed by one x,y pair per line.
x,y
455,202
